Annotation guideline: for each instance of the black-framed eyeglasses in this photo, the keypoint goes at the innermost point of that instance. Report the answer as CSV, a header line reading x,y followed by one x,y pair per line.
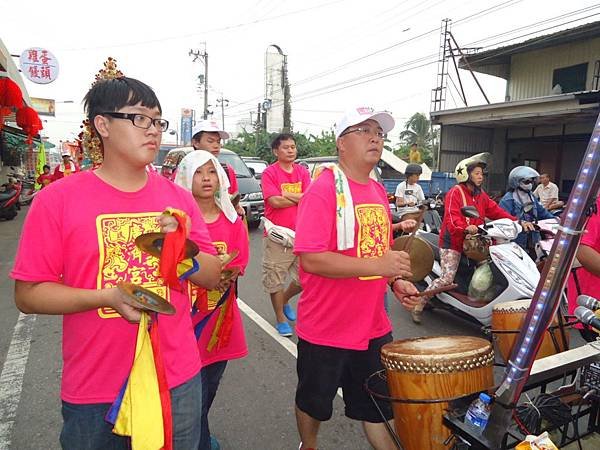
x,y
140,120
365,131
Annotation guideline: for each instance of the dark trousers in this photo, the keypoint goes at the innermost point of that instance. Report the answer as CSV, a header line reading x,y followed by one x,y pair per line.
x,y
211,377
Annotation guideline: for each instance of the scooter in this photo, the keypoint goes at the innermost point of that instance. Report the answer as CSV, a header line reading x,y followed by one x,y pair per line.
x,y
9,200
507,273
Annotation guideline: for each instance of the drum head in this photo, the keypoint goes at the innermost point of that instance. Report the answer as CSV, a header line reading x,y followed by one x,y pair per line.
x,y
421,256
519,306
151,243
146,299
436,354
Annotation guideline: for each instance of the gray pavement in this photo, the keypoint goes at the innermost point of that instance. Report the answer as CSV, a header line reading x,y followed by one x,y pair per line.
x,y
254,408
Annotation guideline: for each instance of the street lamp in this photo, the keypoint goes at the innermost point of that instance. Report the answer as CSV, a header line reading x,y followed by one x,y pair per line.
x,y
173,132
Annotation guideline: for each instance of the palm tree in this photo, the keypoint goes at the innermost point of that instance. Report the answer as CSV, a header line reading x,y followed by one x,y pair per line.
x,y
417,129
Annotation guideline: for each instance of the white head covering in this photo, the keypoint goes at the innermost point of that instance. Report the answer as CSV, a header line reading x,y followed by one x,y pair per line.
x,y
185,177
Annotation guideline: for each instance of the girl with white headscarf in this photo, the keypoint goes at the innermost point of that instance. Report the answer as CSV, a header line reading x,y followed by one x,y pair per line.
x,y
215,315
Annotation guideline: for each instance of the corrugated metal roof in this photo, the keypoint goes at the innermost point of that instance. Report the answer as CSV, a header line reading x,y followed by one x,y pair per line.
x,y
501,55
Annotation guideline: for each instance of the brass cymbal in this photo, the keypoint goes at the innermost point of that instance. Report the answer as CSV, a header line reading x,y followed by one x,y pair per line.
x,y
229,273
152,243
226,258
421,256
235,199
146,299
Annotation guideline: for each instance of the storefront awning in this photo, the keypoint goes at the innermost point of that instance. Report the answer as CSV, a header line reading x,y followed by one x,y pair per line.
x,y
15,138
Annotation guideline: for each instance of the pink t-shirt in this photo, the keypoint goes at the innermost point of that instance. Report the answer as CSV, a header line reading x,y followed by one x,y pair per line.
x,y
588,282
342,312
87,241
226,237
233,183
275,181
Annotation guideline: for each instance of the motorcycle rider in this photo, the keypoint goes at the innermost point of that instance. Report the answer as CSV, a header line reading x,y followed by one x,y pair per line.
x,y
520,202
469,174
409,193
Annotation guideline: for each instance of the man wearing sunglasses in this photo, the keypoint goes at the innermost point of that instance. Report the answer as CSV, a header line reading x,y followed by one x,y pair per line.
x,y
521,203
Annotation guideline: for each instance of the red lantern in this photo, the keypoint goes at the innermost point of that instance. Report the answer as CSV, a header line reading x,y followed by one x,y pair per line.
x,y
11,98
29,120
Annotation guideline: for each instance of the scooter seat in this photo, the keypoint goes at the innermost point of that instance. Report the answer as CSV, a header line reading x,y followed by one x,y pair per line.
x,y
6,195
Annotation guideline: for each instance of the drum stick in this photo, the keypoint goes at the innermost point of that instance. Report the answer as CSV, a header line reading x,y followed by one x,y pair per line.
x,y
408,243
432,292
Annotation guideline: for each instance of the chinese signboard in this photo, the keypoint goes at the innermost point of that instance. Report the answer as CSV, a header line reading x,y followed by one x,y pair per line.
x,y
39,65
43,106
187,116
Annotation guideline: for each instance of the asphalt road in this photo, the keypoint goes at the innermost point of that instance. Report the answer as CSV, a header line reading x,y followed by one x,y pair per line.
x,y
254,408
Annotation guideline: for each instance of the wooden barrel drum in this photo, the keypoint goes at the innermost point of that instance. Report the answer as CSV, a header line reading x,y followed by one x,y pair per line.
x,y
433,368
509,316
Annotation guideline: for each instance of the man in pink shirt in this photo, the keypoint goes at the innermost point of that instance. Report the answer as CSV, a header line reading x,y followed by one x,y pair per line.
x,y
343,238
72,264
586,279
283,184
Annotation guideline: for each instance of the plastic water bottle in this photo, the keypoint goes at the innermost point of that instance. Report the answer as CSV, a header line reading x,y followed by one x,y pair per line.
x,y
478,413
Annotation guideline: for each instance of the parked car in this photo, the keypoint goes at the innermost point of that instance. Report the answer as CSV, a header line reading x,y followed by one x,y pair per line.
x,y
251,198
257,166
312,164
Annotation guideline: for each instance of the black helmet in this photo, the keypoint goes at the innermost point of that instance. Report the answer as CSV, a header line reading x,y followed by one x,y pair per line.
x,y
413,169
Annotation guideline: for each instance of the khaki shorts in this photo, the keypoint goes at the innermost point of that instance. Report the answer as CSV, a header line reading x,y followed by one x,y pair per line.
x,y
279,262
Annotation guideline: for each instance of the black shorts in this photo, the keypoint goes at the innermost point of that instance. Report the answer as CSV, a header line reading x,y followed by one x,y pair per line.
x,y
322,370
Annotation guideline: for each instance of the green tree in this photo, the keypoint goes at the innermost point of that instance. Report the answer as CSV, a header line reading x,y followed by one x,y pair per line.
x,y
259,144
417,129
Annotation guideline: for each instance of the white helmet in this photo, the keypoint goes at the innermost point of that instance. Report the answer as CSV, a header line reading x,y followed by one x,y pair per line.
x,y
464,167
522,174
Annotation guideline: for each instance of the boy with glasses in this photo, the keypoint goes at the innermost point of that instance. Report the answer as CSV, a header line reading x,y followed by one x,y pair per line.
x,y
343,239
71,266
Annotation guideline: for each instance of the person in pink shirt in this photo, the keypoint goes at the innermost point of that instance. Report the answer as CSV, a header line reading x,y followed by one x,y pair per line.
x,y
218,321
343,238
66,167
586,279
283,184
72,264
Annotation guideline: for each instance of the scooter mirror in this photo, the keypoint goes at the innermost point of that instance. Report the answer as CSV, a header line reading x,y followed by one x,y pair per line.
x,y
470,211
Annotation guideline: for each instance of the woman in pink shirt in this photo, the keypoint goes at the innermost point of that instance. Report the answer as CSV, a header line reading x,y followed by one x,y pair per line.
x,y
216,316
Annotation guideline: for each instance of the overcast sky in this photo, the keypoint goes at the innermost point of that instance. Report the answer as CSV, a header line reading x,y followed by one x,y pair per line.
x,y
330,44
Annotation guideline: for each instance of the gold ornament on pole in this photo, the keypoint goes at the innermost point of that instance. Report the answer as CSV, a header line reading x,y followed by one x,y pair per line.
x,y
89,143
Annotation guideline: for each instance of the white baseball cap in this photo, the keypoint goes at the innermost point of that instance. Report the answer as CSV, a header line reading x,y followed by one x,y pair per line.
x,y
211,126
359,114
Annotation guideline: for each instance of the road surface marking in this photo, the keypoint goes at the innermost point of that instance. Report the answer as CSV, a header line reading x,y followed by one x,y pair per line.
x,y
11,378
271,331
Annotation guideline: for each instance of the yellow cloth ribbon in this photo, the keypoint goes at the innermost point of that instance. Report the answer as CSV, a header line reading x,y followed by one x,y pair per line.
x,y
140,415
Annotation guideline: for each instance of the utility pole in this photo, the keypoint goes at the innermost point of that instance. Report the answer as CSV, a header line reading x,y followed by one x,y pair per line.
x,y
202,78
224,102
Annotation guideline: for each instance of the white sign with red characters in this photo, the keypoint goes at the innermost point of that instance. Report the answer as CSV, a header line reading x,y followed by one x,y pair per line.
x,y
39,65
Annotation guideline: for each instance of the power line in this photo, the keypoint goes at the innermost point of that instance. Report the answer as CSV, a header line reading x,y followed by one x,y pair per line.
x,y
214,30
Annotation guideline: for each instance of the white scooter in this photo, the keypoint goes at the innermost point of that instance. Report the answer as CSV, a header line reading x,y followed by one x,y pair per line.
x,y
507,274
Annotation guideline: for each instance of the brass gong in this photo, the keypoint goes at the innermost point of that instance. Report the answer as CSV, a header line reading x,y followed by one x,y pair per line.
x,y
421,256
146,299
152,243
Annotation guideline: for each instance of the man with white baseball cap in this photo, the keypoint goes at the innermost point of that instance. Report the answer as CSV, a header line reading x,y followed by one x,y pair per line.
x,y
361,114
343,239
66,167
207,135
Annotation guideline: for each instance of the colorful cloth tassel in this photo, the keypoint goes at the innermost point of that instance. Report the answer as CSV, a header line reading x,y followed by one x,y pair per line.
x,y
142,410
